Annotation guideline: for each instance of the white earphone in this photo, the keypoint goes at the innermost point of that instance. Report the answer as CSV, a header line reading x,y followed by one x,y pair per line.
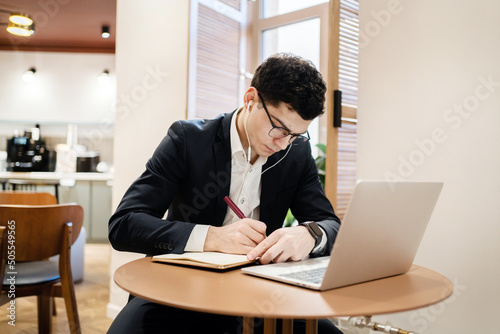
x,y
250,103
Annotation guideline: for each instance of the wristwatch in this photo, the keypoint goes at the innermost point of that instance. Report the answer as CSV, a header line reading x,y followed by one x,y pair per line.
x,y
314,230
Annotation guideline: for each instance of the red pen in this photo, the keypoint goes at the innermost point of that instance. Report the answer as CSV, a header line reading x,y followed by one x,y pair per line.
x,y
233,207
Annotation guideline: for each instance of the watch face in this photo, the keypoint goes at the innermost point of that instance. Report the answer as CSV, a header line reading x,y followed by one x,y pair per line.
x,y
315,228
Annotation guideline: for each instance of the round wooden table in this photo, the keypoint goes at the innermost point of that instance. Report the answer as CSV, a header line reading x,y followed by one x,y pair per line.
x,y
234,293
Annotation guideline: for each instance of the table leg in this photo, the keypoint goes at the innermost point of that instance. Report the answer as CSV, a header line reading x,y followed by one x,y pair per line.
x,y
287,326
269,326
311,326
248,323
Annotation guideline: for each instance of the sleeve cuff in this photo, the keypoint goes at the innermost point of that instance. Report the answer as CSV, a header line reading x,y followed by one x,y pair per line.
x,y
196,240
319,249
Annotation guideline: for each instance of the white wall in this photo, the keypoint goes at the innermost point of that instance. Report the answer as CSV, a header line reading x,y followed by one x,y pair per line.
x,y
65,90
429,99
151,65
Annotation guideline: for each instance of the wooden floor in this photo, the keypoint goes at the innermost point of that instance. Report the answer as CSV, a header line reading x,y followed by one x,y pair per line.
x,y
92,297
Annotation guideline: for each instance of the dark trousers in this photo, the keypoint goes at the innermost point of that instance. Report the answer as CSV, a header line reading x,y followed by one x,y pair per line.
x,y
141,316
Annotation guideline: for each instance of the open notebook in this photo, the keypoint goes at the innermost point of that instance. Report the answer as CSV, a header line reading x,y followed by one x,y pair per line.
x,y
211,260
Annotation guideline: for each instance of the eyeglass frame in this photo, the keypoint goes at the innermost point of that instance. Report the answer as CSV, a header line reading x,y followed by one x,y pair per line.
x,y
293,135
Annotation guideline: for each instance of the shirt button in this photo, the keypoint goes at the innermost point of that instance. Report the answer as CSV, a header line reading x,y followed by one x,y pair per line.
x,y
242,201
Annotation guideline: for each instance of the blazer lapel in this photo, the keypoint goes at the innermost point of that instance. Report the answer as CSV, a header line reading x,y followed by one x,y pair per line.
x,y
222,156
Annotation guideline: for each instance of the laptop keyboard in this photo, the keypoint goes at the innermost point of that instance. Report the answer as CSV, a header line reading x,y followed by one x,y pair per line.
x,y
310,275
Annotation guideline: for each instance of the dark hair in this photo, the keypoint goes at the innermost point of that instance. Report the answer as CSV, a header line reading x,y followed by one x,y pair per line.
x,y
284,77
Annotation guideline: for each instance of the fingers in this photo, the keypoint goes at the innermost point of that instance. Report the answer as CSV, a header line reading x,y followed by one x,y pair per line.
x,y
248,236
275,248
237,238
265,250
254,230
285,244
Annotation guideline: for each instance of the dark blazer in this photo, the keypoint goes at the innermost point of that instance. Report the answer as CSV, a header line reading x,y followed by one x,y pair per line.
x,y
190,173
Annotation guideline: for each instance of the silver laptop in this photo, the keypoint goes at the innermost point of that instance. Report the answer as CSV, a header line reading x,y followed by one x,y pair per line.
x,y
379,237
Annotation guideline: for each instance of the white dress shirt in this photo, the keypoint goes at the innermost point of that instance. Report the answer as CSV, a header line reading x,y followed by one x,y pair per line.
x,y
244,190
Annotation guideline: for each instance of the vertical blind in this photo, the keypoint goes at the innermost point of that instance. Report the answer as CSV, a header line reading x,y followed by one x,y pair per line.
x,y
232,3
348,84
217,62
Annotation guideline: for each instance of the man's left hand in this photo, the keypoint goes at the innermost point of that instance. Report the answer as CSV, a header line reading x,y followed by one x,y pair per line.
x,y
285,244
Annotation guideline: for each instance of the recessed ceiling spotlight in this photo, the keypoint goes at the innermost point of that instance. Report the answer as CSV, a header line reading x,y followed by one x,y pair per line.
x,y
105,32
104,77
29,75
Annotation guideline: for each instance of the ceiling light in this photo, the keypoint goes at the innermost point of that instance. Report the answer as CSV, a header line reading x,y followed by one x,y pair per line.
x,y
104,77
19,24
21,19
29,75
105,32
20,30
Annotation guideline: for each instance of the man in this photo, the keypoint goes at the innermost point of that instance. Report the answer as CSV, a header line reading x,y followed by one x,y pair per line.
x,y
259,155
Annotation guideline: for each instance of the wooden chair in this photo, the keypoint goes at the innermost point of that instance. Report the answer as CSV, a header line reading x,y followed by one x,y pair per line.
x,y
41,232
29,198
31,185
33,198
16,197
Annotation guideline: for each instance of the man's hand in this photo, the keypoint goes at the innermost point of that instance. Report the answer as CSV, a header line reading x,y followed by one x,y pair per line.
x,y
287,243
236,238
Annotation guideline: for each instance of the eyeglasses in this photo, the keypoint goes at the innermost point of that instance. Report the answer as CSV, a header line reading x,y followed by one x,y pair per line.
x,y
278,132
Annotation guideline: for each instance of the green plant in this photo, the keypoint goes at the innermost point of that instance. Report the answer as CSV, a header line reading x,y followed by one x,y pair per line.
x,y
320,163
289,219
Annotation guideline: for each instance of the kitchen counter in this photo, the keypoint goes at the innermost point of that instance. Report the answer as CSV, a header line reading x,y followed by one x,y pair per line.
x,y
91,190
52,176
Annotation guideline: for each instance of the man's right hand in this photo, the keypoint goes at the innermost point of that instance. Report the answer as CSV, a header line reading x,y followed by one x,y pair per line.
x,y
237,238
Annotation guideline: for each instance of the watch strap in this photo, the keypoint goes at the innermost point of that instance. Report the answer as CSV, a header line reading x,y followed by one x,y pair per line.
x,y
314,230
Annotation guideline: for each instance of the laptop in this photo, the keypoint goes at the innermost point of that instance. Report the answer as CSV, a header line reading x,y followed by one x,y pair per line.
x,y
379,237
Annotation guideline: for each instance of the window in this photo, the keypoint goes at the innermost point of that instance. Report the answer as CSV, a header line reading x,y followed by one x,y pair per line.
x,y
297,26
302,27
217,54
225,48
278,7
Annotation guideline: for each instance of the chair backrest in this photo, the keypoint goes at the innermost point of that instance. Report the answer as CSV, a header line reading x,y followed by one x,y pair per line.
x,y
39,229
3,251
15,197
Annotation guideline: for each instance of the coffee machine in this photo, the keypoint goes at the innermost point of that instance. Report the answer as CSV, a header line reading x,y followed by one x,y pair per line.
x,y
29,153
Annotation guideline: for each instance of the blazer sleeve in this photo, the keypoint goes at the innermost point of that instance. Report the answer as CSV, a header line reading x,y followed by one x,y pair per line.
x,y
138,224
311,204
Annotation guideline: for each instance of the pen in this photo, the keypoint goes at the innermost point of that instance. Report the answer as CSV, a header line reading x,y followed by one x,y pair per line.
x,y
233,207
